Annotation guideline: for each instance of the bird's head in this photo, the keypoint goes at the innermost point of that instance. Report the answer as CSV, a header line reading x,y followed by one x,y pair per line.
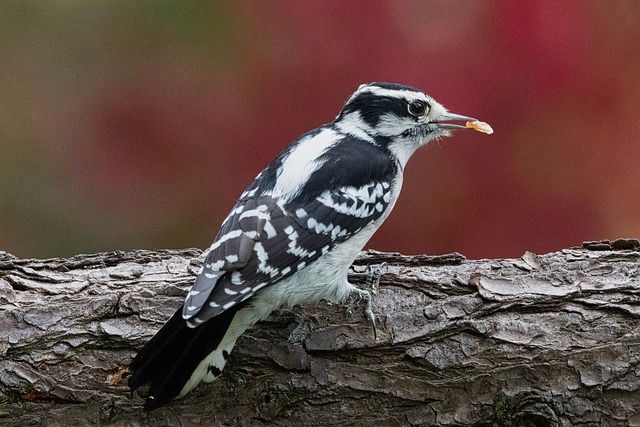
x,y
399,117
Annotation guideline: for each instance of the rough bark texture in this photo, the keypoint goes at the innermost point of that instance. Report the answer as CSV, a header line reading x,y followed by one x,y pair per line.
x,y
550,340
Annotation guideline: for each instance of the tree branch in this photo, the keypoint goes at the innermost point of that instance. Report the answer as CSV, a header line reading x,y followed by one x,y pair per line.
x,y
551,340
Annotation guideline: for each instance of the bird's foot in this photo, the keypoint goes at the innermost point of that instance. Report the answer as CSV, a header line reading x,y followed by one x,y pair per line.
x,y
371,288
362,295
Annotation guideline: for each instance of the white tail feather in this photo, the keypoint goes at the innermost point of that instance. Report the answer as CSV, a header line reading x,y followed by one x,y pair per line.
x,y
211,366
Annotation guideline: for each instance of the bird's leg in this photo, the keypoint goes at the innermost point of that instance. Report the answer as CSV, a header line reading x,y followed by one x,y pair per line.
x,y
371,284
368,309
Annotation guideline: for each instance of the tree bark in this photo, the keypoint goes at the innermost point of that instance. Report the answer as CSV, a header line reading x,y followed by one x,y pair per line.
x,y
550,340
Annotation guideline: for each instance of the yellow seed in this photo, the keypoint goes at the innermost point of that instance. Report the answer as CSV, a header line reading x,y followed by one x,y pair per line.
x,y
479,126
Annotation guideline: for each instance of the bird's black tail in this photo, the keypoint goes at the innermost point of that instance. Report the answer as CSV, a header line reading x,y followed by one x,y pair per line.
x,y
169,360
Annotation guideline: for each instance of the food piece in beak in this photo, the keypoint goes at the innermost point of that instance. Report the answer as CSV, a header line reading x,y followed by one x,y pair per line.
x,y
479,126
472,123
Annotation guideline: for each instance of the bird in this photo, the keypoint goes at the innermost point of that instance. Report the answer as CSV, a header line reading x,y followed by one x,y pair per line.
x,y
294,232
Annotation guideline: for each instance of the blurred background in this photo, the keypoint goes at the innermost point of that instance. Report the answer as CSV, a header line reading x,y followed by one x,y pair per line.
x,y
130,125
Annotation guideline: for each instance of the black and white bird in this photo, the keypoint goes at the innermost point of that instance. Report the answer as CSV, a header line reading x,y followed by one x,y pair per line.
x,y
294,233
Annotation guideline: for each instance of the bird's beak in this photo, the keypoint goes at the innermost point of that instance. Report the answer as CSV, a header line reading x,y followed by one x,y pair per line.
x,y
470,123
451,117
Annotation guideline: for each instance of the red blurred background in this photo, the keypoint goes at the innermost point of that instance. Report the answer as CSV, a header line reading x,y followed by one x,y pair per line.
x,y
137,124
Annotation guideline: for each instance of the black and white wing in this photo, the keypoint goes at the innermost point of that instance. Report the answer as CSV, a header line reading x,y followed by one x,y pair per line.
x,y
268,237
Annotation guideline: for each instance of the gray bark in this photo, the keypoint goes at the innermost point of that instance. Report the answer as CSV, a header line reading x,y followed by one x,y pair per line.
x,y
550,340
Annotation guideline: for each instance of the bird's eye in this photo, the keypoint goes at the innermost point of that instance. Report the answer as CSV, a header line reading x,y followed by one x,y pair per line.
x,y
417,108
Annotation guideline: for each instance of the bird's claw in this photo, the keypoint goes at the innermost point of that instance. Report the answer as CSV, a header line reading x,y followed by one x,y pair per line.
x,y
368,310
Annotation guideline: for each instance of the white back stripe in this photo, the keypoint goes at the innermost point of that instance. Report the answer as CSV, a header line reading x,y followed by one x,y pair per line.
x,y
301,162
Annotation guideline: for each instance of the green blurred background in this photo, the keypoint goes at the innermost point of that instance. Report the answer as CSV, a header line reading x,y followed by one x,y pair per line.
x,y
137,124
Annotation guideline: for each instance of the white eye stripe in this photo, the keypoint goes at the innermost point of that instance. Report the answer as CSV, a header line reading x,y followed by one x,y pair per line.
x,y
392,93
